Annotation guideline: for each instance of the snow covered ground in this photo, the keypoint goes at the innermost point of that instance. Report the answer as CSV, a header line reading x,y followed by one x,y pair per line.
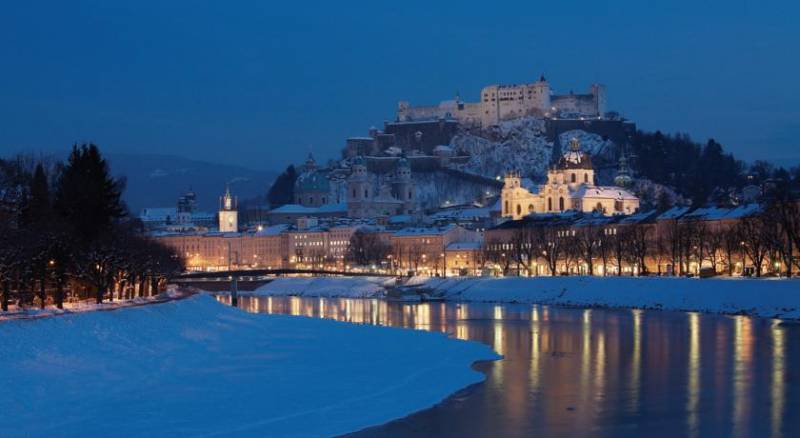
x,y
89,305
195,367
757,297
329,287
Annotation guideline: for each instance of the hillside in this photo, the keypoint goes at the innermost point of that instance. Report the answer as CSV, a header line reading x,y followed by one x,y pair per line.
x,y
158,180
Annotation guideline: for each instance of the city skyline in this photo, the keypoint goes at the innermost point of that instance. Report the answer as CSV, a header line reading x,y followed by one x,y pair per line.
x,y
262,86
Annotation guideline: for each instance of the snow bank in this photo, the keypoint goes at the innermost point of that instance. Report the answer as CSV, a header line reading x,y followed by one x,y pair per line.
x,y
329,287
197,367
89,305
757,297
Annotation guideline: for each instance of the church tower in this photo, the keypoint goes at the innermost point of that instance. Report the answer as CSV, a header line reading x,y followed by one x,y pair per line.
x,y
623,178
228,216
404,187
359,192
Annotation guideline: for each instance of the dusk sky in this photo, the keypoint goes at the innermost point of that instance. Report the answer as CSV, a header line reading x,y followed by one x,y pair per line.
x,y
260,83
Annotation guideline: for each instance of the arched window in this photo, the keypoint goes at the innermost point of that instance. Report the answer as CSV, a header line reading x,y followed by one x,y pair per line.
x,y
573,177
519,209
549,204
561,204
599,208
586,177
530,208
506,208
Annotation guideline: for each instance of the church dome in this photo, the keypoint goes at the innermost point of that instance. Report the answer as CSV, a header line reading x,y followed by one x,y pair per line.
x,y
312,182
575,158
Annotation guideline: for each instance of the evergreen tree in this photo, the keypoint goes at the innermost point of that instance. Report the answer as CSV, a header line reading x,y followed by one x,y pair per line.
x,y
87,197
37,209
282,190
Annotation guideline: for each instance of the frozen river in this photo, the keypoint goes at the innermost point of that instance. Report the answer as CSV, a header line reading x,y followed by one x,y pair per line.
x,y
575,372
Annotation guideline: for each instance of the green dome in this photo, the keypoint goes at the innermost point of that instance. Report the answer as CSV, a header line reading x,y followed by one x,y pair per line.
x,y
312,182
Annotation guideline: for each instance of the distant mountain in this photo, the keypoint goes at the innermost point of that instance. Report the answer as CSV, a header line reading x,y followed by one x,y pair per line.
x,y
158,180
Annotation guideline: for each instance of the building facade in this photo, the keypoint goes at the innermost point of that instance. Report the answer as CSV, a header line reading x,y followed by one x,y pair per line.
x,y
570,186
506,102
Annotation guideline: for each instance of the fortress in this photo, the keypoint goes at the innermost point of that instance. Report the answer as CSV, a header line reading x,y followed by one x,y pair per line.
x,y
506,102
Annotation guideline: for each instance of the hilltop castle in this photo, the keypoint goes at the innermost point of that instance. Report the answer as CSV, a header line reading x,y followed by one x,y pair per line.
x,y
506,102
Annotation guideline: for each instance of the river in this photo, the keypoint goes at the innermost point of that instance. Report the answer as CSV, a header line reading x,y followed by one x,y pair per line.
x,y
598,372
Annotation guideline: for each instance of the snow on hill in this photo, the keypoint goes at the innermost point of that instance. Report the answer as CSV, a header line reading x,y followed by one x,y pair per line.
x,y
515,145
592,144
197,367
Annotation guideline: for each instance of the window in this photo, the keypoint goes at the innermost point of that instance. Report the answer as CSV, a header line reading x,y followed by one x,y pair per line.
x,y
519,209
586,178
530,208
354,193
549,204
366,193
506,208
573,177
561,204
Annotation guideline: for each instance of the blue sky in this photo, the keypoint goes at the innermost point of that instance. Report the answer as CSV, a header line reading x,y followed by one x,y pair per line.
x,y
260,84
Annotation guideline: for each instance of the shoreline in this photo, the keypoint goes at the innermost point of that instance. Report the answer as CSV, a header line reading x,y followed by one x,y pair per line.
x,y
762,298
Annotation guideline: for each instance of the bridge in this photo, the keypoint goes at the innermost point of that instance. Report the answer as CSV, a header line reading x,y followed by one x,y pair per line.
x,y
270,273
250,279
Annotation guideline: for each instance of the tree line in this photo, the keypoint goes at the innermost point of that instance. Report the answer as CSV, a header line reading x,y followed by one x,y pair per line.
x,y
65,233
765,242
701,173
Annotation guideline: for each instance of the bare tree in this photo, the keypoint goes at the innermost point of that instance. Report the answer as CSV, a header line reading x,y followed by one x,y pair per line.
x,y
752,231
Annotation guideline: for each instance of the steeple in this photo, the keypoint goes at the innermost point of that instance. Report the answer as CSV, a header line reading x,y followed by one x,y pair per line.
x,y
574,144
623,178
311,164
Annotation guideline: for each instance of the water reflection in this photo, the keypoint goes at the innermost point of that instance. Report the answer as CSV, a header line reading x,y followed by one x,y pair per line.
x,y
778,380
594,372
694,374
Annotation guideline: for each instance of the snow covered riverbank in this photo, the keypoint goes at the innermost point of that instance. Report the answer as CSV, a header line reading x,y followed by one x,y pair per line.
x,y
757,297
197,367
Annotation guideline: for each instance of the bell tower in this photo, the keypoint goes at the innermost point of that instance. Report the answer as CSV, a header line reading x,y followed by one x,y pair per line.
x,y
228,216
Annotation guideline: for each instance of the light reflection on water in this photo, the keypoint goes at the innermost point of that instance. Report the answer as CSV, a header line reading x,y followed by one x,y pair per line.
x,y
594,372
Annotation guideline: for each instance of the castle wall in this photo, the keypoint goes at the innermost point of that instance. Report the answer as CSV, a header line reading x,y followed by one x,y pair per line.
x,y
506,102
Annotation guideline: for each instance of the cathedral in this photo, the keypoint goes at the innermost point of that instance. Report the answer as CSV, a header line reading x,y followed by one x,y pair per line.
x,y
368,195
365,194
570,186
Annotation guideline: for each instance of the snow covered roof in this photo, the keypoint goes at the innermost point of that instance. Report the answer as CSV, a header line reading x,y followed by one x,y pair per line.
x,y
464,246
157,214
720,213
605,192
400,219
673,213
463,213
299,209
744,211
430,231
